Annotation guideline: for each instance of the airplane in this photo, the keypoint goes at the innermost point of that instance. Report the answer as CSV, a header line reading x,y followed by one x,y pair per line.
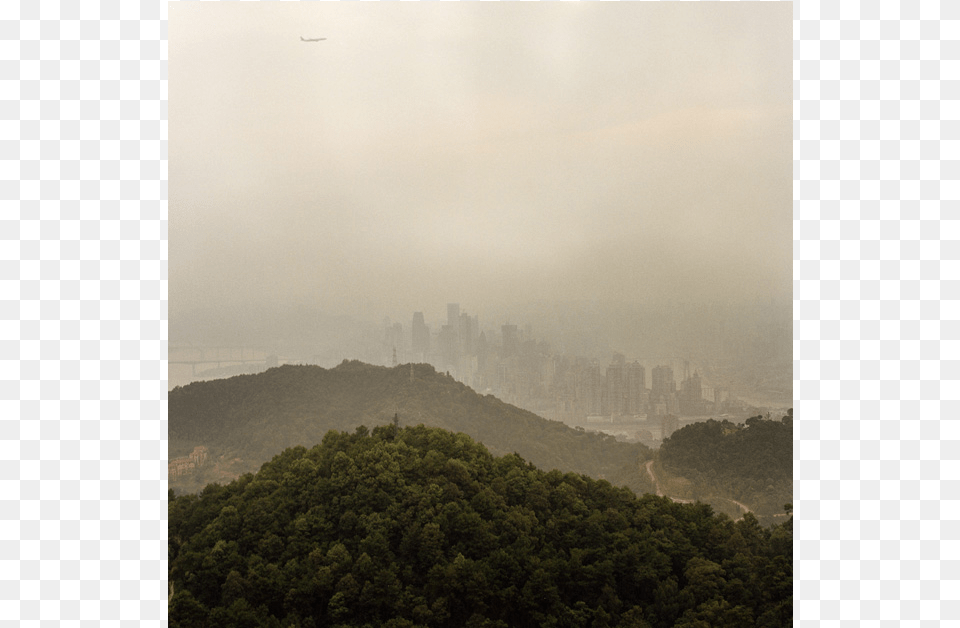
x,y
318,39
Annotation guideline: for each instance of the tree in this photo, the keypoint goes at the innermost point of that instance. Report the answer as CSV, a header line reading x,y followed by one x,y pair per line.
x,y
468,539
186,611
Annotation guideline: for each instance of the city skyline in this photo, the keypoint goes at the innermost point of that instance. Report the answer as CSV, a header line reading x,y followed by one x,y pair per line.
x,y
521,365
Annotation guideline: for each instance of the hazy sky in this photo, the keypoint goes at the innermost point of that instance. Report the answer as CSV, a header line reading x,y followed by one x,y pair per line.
x,y
483,153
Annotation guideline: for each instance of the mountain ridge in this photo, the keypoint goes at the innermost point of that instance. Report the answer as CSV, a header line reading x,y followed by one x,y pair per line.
x,y
244,421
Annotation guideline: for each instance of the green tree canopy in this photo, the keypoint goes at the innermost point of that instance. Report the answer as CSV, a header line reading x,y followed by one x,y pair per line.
x,y
424,527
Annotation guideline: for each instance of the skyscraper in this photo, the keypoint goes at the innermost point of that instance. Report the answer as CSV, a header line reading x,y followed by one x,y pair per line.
x,y
616,390
467,335
662,390
449,346
661,382
420,337
511,340
482,351
636,383
589,390
691,395
453,314
450,335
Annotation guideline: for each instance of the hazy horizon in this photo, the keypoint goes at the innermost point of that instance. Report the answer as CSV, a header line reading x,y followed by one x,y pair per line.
x,y
583,168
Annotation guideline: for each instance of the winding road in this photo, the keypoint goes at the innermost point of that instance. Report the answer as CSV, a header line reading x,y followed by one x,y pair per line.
x,y
656,483
653,478
743,507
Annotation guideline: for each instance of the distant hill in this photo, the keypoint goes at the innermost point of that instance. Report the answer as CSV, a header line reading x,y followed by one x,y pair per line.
x,y
751,462
244,421
420,527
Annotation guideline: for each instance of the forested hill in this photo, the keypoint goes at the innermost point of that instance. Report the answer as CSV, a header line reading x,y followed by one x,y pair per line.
x,y
751,462
244,421
419,527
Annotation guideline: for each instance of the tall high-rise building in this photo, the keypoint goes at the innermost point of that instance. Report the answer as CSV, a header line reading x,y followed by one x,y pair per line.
x,y
475,330
467,335
635,385
616,389
453,314
663,391
511,341
392,336
482,351
420,337
590,391
449,346
691,395
661,382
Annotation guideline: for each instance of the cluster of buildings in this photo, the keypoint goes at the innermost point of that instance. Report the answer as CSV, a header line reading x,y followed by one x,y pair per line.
x,y
186,464
510,364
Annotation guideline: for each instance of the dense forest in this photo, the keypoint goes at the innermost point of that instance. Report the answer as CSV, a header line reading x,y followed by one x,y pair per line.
x,y
751,462
246,420
418,526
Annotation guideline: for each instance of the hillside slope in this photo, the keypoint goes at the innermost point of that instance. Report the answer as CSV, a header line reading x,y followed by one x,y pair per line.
x,y
244,421
419,527
720,460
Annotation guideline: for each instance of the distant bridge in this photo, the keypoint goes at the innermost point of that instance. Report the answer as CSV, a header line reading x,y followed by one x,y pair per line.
x,y
216,355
